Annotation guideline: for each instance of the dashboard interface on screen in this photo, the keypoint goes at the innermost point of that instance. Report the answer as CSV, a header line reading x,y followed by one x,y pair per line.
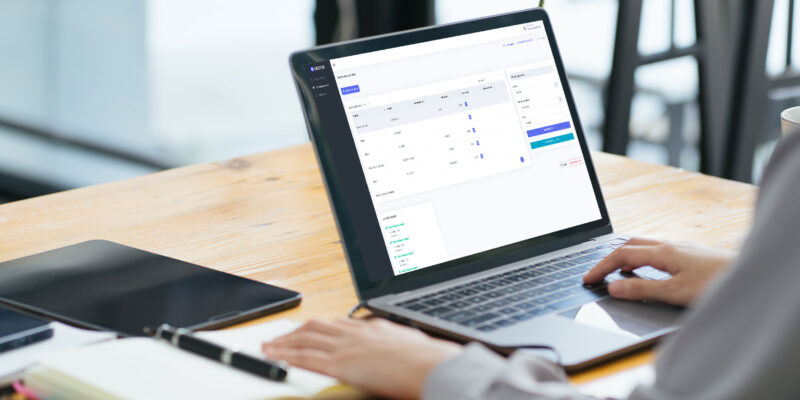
x,y
466,143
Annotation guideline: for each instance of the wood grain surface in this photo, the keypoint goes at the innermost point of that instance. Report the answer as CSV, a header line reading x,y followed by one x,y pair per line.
x,y
266,217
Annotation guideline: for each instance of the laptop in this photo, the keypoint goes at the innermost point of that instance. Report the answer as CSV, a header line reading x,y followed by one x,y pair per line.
x,y
463,189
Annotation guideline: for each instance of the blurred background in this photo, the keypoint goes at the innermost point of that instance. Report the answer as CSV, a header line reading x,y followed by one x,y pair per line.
x,y
94,91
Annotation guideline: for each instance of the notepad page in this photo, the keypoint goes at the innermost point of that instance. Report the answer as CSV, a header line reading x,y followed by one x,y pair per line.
x,y
13,363
249,339
49,384
142,368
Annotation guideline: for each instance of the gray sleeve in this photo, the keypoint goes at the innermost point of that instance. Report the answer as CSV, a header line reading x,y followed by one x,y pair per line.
x,y
739,341
479,373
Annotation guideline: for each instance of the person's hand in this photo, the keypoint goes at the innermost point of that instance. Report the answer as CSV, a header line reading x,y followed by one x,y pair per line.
x,y
376,355
692,267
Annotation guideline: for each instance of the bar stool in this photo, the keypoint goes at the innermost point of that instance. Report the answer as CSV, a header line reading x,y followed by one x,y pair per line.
x,y
716,24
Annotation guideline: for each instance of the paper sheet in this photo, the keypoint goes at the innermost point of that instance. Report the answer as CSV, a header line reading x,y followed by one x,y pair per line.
x,y
12,363
249,338
619,385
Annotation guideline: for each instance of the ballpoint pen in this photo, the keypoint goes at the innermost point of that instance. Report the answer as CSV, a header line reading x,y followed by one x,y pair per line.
x,y
183,338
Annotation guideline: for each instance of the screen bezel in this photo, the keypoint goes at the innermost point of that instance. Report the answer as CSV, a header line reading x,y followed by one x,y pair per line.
x,y
365,287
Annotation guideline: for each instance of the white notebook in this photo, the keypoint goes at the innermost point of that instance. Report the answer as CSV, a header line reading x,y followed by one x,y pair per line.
x,y
13,363
142,368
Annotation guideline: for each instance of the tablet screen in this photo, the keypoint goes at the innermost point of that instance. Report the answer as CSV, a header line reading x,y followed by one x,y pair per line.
x,y
12,322
104,285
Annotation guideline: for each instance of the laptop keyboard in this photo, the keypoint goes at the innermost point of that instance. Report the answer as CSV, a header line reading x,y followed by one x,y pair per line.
x,y
502,300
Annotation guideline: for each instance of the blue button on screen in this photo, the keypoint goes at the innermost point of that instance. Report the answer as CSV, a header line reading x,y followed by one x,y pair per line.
x,y
553,140
350,89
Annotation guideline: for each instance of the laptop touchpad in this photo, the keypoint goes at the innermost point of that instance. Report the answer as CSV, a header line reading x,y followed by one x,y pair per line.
x,y
628,318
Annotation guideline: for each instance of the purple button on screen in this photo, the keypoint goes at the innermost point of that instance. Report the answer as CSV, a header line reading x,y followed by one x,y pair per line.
x,y
550,128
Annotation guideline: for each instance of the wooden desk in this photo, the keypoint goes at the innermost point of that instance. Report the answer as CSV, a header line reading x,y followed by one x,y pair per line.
x,y
266,217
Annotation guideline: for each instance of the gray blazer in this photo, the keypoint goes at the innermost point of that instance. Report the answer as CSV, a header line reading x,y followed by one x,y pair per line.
x,y
741,340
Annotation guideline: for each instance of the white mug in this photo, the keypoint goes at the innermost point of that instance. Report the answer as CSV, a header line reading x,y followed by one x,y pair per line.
x,y
790,120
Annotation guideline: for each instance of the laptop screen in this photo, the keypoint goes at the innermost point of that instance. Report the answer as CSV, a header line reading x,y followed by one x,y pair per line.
x,y
466,143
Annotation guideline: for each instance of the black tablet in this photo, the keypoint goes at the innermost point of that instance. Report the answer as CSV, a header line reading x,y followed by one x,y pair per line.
x,y
104,285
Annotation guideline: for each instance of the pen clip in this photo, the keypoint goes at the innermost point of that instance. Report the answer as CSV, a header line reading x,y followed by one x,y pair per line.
x,y
177,333
172,334
160,330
